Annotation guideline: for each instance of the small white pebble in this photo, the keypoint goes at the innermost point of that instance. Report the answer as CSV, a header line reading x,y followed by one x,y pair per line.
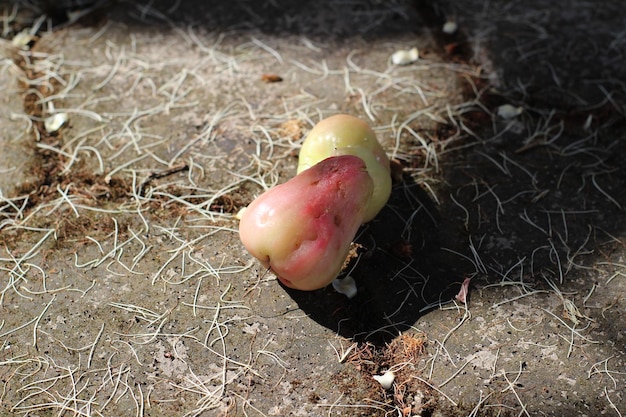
x,y
22,39
508,111
239,214
405,57
386,379
54,122
345,286
450,27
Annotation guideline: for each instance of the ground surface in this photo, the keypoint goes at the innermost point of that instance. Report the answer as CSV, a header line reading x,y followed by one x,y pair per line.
x,y
124,289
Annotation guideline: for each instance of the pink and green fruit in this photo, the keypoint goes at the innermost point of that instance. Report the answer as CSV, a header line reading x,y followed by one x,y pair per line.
x,y
302,229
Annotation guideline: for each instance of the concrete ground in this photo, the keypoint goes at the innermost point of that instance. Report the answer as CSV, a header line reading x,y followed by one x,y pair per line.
x,y
133,132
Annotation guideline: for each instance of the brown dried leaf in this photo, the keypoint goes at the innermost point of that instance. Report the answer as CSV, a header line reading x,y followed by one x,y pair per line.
x,y
271,78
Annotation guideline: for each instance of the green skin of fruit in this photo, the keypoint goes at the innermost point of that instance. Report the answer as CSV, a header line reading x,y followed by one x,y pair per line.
x,y
302,229
343,134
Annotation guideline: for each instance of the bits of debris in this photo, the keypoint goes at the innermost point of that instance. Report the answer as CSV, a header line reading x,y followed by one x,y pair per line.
x,y
464,291
508,111
405,57
271,78
291,129
240,213
450,27
345,286
386,379
55,122
23,39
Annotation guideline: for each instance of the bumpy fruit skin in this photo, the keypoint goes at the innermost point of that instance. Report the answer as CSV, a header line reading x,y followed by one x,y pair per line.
x,y
302,229
343,134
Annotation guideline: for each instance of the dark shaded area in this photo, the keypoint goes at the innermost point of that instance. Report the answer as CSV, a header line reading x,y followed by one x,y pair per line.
x,y
567,56
561,177
541,196
571,57
325,19
565,152
401,272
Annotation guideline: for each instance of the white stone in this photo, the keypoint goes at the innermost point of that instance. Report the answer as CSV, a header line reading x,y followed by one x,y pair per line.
x,y
54,122
450,27
386,379
508,111
405,57
345,286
